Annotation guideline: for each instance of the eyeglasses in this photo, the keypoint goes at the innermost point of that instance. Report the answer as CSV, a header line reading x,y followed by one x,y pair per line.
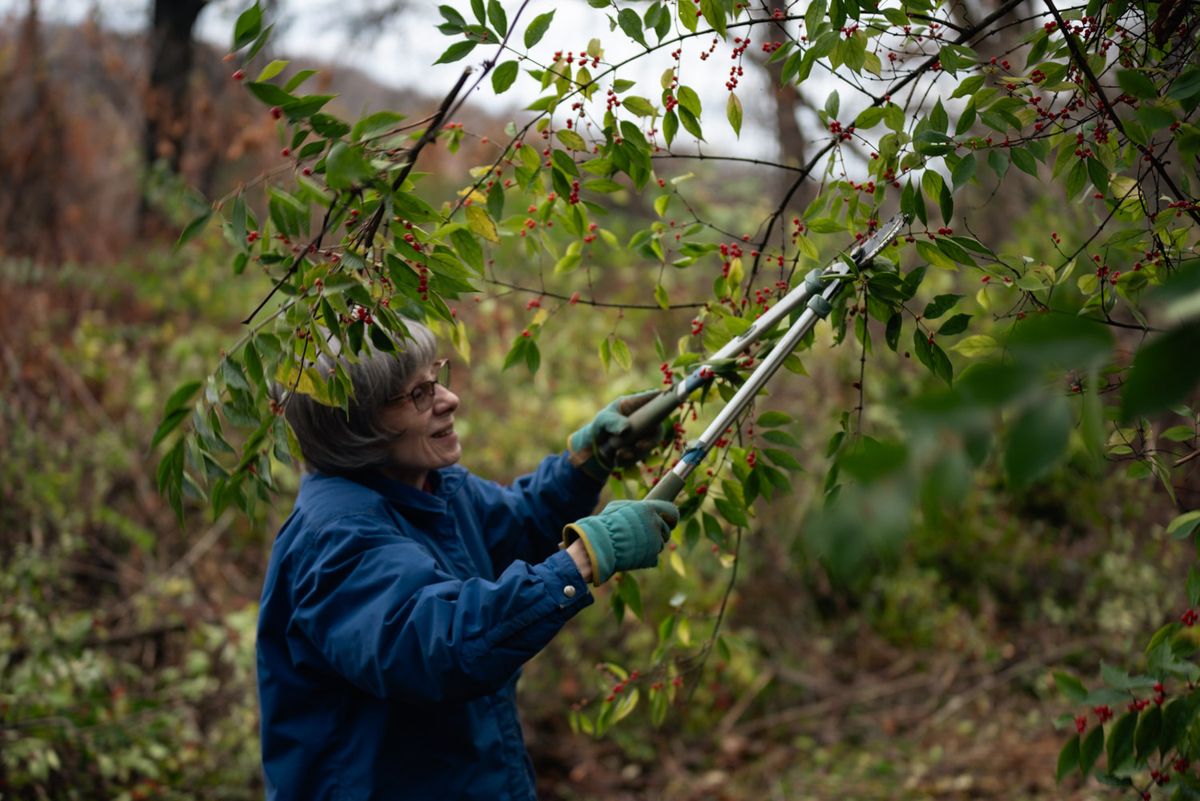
x,y
422,394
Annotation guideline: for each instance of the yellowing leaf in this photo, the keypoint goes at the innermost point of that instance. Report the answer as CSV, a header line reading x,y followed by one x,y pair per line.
x,y
621,354
481,224
660,296
676,562
975,346
307,382
567,263
733,111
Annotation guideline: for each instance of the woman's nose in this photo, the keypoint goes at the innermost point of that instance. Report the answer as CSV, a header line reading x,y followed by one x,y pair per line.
x,y
444,401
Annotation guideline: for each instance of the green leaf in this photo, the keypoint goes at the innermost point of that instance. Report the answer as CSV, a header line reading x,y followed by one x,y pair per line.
x,y
1037,440
691,124
192,229
1120,742
1062,341
946,203
998,162
170,477
773,419
1136,83
963,171
1148,733
1163,373
630,593
497,17
731,512
300,77
504,75
940,305
932,143
814,16
1186,86
631,24
1182,527
570,139
537,29
733,112
271,70
1090,750
247,27
455,52
621,354
783,459
939,120
533,356
892,332
270,94
670,127
688,100
375,124
955,325
1024,160
1071,687
713,12
1177,718
345,166
453,18
660,296
1068,758
639,106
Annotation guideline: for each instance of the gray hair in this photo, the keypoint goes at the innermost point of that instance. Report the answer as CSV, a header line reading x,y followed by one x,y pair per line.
x,y
339,442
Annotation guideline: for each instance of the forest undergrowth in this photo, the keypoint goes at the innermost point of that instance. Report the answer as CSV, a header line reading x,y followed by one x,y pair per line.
x,y
127,641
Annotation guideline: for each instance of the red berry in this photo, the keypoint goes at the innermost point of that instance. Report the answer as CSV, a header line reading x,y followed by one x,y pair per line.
x,y
276,112
239,75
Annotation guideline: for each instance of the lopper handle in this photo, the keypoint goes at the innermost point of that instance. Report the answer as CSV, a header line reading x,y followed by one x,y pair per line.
x,y
650,416
666,489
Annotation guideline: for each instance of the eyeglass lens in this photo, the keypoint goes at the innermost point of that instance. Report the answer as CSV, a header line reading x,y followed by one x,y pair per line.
x,y
423,394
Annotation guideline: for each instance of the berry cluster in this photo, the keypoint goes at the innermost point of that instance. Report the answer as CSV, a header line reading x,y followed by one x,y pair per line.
x,y
843,135
570,57
668,374
728,253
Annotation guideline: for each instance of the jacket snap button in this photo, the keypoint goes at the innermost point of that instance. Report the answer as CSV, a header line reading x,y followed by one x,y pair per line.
x,y
569,590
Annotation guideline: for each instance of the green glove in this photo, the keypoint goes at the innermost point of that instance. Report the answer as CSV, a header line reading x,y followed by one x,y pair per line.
x,y
626,535
609,425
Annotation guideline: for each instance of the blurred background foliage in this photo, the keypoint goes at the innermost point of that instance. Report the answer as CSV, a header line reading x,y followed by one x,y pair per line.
x,y
907,659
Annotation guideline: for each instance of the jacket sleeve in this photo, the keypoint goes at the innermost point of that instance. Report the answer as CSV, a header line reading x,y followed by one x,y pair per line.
x,y
384,616
525,520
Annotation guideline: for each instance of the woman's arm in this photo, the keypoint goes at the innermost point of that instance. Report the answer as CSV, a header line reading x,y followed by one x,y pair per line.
x,y
525,520
387,618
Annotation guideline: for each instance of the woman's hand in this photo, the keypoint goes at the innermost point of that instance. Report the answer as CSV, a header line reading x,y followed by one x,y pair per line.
x,y
604,434
626,535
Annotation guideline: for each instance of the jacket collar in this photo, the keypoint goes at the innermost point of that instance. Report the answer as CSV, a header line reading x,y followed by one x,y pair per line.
x,y
442,485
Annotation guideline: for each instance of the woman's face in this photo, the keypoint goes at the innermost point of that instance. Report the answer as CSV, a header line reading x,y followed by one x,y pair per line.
x,y
425,438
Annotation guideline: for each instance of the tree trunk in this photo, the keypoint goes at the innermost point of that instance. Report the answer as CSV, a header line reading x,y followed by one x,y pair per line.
x,y
787,125
171,57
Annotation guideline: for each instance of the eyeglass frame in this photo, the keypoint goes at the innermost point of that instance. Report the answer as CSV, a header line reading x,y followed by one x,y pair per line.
x,y
426,388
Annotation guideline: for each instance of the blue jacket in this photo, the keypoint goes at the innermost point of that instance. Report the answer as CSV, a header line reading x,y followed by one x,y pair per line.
x,y
393,626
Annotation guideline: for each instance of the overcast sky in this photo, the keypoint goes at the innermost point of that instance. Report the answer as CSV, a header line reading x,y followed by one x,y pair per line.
x,y
402,54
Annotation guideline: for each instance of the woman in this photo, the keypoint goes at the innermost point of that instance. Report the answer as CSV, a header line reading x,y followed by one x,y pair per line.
x,y
404,593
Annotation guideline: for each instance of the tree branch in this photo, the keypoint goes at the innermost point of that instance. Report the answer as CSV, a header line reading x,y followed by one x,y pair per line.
x,y
1081,62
